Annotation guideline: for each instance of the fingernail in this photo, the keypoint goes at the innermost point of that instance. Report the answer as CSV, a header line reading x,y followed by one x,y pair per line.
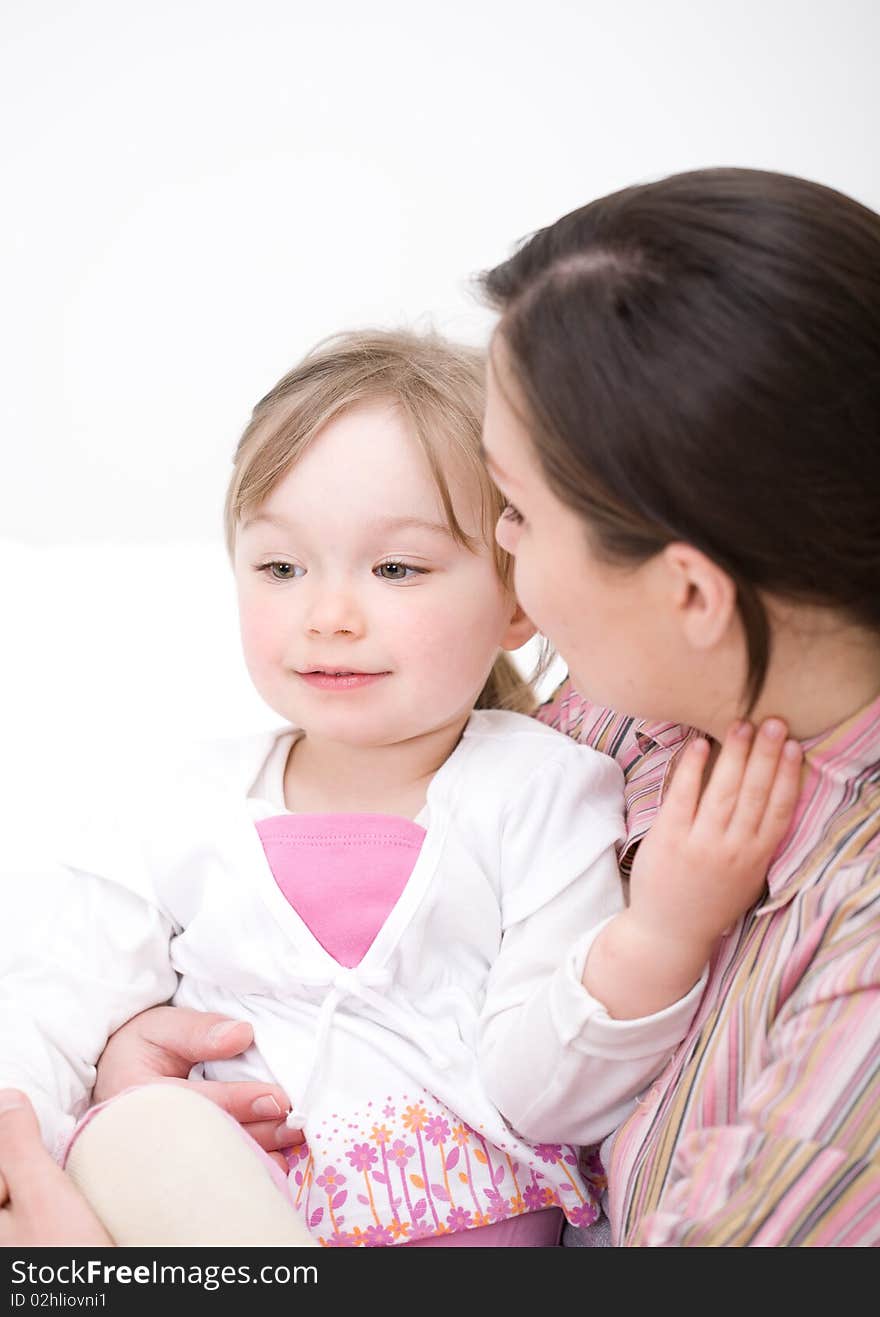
x,y
265,1106
11,1101
743,731
774,728
218,1033
792,749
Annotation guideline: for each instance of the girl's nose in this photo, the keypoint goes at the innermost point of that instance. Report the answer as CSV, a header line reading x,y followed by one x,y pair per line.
x,y
333,613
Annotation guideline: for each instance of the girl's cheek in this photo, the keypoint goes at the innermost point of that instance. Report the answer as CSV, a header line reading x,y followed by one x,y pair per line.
x,y
259,632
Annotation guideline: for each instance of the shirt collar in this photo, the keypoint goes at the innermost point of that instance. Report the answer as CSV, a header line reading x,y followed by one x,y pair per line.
x,y
665,736
848,749
839,755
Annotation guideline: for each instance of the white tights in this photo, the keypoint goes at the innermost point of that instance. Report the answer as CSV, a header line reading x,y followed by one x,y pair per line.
x,y
161,1165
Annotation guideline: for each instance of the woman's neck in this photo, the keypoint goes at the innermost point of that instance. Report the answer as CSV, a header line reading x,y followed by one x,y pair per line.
x,y
822,671
332,777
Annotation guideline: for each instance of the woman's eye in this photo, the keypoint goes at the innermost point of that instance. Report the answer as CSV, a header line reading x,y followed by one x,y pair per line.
x,y
282,571
510,513
396,571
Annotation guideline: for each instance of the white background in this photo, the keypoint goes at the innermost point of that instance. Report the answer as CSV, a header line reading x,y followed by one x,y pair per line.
x,y
197,190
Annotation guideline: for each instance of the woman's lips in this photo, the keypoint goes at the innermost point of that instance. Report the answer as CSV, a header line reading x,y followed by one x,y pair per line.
x,y
342,681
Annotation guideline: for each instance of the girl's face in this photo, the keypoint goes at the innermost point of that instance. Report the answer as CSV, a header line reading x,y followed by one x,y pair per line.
x,y
362,619
608,623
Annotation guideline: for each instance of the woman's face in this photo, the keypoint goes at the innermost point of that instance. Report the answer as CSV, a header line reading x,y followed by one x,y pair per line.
x,y
609,623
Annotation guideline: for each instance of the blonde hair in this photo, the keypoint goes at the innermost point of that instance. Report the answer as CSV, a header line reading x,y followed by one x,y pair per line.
x,y
439,386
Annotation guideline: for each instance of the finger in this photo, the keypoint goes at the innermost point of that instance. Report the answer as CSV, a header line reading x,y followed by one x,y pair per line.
x,y
271,1135
682,796
720,796
288,1137
759,776
4,1192
783,795
246,1101
237,1100
195,1035
25,1164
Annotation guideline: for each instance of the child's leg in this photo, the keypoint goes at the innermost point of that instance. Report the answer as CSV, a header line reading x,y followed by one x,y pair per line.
x,y
161,1165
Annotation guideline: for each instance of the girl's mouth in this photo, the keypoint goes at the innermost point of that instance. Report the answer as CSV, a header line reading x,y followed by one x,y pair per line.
x,y
341,679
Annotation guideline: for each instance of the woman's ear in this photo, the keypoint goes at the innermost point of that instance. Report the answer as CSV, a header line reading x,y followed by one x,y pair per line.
x,y
519,629
703,595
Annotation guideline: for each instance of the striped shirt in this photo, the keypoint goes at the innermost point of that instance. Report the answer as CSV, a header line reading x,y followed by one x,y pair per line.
x,y
764,1127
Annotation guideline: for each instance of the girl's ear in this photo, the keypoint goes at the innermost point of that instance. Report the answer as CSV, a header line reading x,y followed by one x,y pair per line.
x,y
703,595
519,629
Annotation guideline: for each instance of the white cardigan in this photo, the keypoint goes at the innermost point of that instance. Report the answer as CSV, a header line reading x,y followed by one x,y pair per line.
x,y
467,1004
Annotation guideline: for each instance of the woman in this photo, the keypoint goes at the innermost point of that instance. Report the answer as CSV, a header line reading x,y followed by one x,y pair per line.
x,y
682,411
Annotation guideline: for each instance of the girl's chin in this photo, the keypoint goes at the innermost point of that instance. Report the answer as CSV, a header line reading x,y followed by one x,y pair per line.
x,y
343,732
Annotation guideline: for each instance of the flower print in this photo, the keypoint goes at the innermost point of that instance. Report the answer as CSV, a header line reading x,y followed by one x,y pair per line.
x,y
593,1171
400,1152
422,1230
437,1130
549,1152
381,1134
415,1117
388,1111
341,1239
461,1135
357,1235
330,1179
534,1196
481,1219
297,1153
399,1229
517,1206
377,1236
362,1156
497,1207
459,1219
549,1197
583,1215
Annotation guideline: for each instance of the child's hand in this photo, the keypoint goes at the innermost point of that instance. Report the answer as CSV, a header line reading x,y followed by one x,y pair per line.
x,y
705,859
701,866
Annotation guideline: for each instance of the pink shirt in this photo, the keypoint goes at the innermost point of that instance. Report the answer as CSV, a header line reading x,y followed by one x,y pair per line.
x,y
342,873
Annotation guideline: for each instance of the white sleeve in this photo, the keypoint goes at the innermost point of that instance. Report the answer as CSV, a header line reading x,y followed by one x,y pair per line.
x,y
89,954
553,1061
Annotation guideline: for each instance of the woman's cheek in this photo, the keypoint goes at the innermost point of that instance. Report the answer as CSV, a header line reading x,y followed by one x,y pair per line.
x,y
531,600
508,535
503,537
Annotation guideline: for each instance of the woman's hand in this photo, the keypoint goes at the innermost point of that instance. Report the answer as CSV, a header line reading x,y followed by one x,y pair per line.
x,y
164,1043
39,1204
702,864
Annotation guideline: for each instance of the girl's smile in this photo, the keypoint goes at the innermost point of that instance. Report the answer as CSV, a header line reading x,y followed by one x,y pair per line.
x,y
341,681
365,621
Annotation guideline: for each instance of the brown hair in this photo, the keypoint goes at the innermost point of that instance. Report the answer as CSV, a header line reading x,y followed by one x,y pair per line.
x,y
440,387
699,360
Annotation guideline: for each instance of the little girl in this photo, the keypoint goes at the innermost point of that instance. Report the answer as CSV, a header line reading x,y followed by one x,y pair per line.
x,y
405,875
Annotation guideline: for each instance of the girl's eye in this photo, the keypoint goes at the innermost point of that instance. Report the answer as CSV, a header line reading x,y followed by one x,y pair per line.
x,y
513,514
282,571
396,571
